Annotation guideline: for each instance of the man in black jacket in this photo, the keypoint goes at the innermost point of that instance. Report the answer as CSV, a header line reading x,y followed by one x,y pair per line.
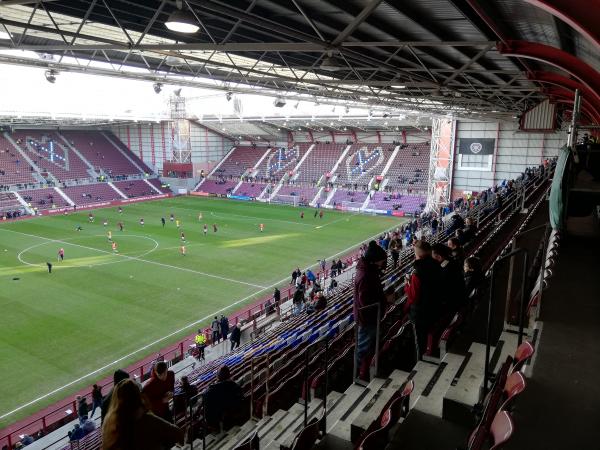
x,y
368,292
423,289
453,282
222,400
235,336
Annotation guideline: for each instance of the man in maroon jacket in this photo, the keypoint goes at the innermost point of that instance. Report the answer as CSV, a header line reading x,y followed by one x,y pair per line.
x,y
368,292
159,390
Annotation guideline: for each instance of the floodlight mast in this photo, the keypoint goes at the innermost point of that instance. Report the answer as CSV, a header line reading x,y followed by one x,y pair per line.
x,y
180,127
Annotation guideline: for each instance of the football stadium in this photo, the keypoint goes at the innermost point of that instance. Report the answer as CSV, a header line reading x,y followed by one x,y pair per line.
x,y
259,224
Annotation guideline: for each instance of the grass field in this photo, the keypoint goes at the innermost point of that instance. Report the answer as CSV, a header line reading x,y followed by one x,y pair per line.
x,y
97,306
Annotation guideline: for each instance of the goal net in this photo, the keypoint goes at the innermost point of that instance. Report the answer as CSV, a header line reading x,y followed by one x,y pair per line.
x,y
292,200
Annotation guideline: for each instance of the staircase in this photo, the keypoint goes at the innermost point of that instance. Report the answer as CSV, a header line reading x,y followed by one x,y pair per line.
x,y
29,160
123,152
214,169
117,190
23,202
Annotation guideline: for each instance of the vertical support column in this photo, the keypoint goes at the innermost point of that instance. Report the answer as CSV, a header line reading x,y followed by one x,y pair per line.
x,y
443,134
128,138
164,142
152,150
140,141
495,154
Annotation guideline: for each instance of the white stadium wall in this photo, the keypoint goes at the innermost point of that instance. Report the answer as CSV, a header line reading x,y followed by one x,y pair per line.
x,y
514,151
152,142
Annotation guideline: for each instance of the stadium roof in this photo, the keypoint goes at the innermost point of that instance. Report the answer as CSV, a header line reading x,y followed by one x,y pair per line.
x,y
436,56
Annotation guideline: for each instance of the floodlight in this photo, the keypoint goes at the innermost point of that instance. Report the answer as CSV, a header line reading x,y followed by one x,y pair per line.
x,y
50,75
332,64
228,96
182,21
157,87
279,102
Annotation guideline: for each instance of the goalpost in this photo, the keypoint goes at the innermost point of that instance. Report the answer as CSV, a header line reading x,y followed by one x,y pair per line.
x,y
292,200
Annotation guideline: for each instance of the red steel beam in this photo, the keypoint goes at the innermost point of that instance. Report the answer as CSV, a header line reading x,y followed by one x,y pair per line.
x,y
560,80
559,97
567,94
582,16
555,57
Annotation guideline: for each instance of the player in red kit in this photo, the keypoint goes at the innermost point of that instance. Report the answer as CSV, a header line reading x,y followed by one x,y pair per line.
x,y
262,227
61,254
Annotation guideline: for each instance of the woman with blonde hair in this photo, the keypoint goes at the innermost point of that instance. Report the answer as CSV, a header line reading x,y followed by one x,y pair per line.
x,y
129,424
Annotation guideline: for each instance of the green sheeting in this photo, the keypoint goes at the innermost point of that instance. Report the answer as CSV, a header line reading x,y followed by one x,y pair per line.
x,y
558,190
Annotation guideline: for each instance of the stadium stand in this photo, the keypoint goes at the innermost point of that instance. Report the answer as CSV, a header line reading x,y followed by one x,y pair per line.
x,y
135,188
52,156
239,162
91,193
318,163
103,155
409,170
14,170
250,189
362,162
42,199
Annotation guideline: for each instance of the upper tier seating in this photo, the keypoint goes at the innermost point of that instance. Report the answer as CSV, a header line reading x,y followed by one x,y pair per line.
x,y
281,161
409,170
91,193
394,201
238,162
44,198
362,162
102,154
51,154
320,161
13,168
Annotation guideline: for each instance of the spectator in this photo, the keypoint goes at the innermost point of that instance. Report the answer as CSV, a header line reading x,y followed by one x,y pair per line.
x,y
423,288
159,390
277,297
130,425
368,292
224,327
235,336
200,341
470,230
318,304
76,434
96,399
87,425
82,407
474,276
395,248
298,300
222,400
310,276
458,252
215,327
453,281
118,376
186,397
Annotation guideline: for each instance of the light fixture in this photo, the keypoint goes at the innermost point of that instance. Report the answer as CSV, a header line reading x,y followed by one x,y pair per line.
x,y
331,64
347,109
296,105
228,96
182,21
50,75
279,102
157,87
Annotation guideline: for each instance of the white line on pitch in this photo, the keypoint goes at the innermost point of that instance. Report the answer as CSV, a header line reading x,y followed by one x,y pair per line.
x,y
336,220
133,258
180,330
260,218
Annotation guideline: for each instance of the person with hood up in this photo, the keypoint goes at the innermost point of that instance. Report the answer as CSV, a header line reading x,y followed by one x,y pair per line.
x,y
368,292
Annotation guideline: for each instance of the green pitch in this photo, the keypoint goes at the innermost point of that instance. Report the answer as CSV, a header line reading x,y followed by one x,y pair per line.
x,y
98,306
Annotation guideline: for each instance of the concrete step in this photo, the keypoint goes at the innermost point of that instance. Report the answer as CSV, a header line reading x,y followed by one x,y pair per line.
x,y
245,431
431,399
341,427
221,438
371,411
465,389
315,410
277,429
